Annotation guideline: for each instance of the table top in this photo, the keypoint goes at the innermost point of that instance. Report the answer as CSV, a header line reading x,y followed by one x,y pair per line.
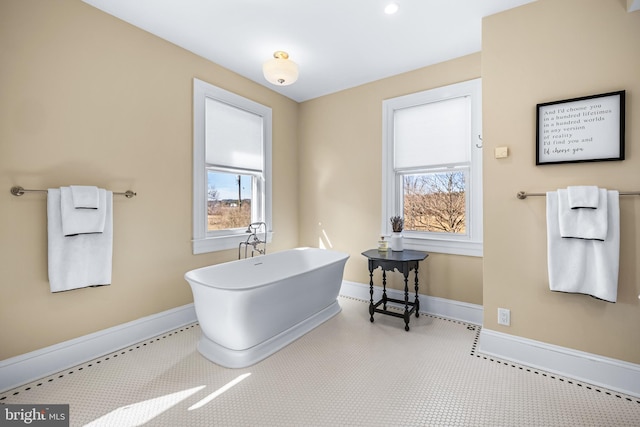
x,y
400,256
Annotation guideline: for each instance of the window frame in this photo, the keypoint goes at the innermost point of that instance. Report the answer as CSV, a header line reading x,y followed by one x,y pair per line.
x,y
209,241
469,244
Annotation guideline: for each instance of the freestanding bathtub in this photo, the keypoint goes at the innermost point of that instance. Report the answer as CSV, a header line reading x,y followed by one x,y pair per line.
x,y
251,308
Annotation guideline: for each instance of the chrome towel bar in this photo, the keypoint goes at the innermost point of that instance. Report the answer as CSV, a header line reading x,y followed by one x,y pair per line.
x,y
19,191
523,195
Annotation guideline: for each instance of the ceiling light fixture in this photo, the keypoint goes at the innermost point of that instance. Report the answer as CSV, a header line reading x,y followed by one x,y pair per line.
x,y
391,8
280,70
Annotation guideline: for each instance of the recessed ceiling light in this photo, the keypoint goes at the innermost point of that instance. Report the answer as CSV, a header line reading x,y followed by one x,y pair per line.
x,y
391,8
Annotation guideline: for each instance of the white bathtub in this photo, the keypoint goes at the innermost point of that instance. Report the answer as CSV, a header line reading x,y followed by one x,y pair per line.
x,y
251,308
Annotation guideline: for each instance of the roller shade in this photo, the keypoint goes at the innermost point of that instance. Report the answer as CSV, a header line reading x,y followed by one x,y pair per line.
x,y
233,137
432,134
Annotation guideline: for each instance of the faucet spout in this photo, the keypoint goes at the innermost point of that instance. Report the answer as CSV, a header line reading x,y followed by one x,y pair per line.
x,y
254,240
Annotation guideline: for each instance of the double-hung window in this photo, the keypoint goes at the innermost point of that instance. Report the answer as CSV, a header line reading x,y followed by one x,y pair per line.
x,y
231,167
432,168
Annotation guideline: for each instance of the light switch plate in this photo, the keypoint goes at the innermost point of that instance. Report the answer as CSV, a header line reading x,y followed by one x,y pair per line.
x,y
501,152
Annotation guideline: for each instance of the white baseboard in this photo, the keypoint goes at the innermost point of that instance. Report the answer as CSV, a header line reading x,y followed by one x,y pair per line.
x,y
601,371
597,370
593,369
450,309
49,360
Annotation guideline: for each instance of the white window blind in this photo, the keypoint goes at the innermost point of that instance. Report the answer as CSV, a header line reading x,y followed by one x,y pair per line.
x,y
435,134
233,137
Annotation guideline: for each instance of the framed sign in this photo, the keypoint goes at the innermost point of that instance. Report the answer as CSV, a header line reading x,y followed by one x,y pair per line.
x,y
587,129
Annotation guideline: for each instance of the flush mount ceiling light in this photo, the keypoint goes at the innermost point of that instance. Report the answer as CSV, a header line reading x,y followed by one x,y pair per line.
x,y
280,70
391,8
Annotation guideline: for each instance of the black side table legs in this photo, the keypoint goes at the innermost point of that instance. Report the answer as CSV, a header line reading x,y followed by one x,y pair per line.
x,y
407,313
371,306
403,262
417,299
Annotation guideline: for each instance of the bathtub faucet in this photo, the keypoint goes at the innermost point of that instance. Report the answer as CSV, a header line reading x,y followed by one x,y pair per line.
x,y
258,246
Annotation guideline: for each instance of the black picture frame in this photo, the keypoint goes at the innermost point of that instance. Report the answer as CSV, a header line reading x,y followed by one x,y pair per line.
x,y
585,129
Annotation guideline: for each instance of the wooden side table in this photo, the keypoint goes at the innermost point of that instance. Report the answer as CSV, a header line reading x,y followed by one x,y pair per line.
x,y
403,261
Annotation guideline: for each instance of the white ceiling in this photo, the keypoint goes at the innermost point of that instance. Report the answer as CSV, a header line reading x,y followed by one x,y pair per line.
x,y
337,44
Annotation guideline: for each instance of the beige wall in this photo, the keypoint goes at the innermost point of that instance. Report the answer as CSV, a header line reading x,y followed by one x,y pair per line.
x,y
547,51
88,99
341,177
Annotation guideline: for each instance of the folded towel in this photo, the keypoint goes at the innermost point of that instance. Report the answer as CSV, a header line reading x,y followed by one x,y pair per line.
x,y
81,221
82,260
584,266
588,224
583,196
85,197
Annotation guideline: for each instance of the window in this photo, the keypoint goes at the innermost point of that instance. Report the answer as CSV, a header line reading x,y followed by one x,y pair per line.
x,y
231,167
432,169
230,200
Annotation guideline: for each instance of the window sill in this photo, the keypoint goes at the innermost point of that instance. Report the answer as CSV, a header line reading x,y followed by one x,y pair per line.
x,y
221,243
444,246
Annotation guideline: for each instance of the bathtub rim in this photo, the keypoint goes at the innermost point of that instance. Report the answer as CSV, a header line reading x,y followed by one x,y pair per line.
x,y
188,276
236,359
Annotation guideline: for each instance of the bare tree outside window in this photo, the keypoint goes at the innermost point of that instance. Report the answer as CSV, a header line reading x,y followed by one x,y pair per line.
x,y
229,212
212,199
435,202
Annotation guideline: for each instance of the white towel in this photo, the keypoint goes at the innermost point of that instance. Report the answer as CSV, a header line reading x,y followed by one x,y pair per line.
x,y
82,260
583,196
85,196
584,266
588,224
81,221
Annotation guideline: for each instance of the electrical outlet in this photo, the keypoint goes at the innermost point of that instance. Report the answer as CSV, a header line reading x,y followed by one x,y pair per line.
x,y
504,316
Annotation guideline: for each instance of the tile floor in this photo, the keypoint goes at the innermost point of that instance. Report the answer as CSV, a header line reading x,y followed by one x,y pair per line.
x,y
347,372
